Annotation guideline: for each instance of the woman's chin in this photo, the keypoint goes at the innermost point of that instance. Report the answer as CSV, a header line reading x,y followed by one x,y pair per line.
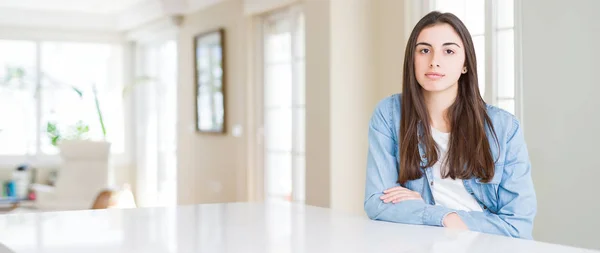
x,y
435,87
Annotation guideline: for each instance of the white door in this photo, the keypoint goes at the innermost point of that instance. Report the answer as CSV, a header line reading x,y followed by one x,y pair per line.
x,y
284,105
155,93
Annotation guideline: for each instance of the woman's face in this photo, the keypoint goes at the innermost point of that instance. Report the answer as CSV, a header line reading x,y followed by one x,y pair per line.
x,y
439,58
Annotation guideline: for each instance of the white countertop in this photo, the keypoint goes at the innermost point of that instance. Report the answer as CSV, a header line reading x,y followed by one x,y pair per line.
x,y
239,227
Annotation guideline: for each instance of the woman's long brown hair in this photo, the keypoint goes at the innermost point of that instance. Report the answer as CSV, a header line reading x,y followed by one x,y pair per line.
x,y
469,152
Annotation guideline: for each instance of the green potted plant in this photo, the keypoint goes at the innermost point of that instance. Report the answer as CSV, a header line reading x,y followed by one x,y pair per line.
x,y
76,134
78,131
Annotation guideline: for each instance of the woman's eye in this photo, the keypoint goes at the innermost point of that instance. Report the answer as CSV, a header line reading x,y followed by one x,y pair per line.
x,y
448,51
424,51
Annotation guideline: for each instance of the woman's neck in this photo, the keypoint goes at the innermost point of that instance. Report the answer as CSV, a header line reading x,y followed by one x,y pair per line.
x,y
437,105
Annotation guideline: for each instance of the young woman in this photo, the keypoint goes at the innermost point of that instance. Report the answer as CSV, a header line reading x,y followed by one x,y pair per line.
x,y
438,154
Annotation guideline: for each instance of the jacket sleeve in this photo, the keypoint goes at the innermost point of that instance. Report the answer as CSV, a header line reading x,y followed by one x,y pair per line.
x,y
516,195
382,173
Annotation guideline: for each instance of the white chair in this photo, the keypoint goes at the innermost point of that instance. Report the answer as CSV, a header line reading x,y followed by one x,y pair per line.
x,y
83,174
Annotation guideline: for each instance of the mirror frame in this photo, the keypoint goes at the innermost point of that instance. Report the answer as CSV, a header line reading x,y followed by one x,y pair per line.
x,y
221,33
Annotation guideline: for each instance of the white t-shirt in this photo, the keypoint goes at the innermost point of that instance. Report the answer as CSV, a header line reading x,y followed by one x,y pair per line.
x,y
447,191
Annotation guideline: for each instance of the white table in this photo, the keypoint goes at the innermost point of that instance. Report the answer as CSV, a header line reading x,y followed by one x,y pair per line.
x,y
240,227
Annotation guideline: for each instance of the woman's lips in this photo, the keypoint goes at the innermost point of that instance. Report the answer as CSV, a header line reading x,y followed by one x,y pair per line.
x,y
434,75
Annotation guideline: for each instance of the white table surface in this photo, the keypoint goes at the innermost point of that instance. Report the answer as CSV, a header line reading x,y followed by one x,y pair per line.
x,y
239,227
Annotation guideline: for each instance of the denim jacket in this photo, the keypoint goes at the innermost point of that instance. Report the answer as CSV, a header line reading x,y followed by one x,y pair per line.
x,y
508,202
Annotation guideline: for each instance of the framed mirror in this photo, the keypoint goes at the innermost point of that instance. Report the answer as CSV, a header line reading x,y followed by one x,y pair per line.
x,y
210,82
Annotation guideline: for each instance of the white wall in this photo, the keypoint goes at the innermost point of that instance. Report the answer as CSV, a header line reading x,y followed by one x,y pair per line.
x,y
354,59
342,67
562,122
212,168
352,98
390,44
318,45
254,7
347,72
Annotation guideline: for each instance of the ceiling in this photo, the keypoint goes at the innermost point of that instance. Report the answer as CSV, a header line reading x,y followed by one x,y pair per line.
x,y
83,6
92,15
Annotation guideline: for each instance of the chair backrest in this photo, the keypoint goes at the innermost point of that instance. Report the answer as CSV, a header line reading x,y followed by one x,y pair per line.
x,y
84,171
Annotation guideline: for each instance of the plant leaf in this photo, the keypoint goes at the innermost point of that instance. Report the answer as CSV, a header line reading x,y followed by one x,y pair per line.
x,y
99,111
79,92
55,140
51,127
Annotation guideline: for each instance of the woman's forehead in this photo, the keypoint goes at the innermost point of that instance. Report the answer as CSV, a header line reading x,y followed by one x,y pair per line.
x,y
438,35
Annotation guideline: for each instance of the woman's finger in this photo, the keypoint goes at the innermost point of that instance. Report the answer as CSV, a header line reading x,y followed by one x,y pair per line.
x,y
401,197
397,188
396,195
395,191
392,193
399,194
404,198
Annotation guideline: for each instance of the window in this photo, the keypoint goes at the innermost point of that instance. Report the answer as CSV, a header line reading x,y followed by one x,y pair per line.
x,y
53,82
17,97
491,23
284,105
155,113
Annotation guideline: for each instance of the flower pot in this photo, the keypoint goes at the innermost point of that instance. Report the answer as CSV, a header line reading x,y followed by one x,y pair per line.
x,y
83,173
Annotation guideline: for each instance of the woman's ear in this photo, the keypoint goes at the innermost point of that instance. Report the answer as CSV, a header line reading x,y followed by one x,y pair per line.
x,y
464,71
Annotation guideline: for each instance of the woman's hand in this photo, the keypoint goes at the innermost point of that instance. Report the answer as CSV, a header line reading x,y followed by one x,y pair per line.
x,y
398,194
454,221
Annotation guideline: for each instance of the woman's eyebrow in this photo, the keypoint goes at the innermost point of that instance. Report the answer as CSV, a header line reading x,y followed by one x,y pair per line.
x,y
445,44
450,43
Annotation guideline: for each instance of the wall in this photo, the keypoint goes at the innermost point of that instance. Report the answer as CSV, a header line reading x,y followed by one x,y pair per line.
x,y
353,95
211,168
342,89
318,47
354,59
257,7
561,123
390,45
